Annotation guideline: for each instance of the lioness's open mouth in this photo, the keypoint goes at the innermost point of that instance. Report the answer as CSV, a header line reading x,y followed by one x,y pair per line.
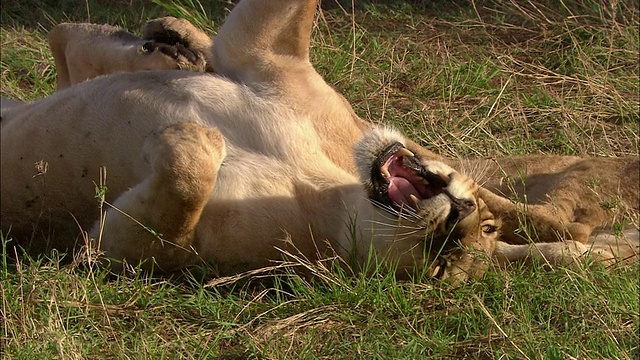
x,y
399,180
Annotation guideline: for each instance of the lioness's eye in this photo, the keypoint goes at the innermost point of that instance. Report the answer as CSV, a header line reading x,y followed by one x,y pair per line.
x,y
488,228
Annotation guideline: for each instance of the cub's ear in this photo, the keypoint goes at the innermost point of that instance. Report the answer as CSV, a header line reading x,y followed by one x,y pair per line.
x,y
262,36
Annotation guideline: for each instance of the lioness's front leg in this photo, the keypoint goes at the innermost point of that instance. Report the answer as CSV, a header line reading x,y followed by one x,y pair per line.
x,y
157,218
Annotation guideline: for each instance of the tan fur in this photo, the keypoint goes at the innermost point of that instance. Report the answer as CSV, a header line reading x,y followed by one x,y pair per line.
x,y
231,168
6,104
85,51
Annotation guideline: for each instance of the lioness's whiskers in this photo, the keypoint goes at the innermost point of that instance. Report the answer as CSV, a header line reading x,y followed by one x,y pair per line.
x,y
390,210
392,219
405,213
394,225
403,234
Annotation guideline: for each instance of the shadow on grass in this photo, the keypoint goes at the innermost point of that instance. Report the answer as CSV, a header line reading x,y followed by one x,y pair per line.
x,y
133,13
130,14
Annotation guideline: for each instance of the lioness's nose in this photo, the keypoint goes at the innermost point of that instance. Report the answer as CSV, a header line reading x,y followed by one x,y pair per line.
x,y
461,207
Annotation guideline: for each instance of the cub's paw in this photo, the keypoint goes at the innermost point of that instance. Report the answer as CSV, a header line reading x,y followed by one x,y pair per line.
x,y
578,232
175,31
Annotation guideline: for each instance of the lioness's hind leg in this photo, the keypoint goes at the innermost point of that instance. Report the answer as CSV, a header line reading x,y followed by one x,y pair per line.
x,y
85,51
157,218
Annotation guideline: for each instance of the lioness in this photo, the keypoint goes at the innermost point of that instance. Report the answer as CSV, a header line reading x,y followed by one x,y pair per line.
x,y
260,157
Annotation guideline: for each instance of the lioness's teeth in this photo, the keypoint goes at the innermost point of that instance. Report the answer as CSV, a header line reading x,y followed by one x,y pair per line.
x,y
385,171
444,177
404,152
435,271
414,199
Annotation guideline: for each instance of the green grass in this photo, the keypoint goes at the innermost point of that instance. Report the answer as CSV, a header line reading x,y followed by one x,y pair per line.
x,y
500,78
51,311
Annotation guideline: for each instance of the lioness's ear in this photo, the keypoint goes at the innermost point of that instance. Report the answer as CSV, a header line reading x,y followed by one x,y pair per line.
x,y
260,34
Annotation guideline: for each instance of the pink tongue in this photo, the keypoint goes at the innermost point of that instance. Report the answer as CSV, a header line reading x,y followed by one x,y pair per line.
x,y
400,189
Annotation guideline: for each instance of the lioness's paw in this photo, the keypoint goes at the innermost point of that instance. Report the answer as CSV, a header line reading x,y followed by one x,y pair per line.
x,y
175,31
171,30
186,152
185,58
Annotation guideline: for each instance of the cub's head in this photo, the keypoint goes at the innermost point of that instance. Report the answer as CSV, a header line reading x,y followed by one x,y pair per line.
x,y
427,211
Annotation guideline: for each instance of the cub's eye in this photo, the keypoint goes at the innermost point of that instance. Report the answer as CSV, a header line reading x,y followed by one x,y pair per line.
x,y
489,228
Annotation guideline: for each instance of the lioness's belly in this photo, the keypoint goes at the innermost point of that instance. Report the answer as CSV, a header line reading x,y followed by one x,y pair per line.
x,y
53,150
262,206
